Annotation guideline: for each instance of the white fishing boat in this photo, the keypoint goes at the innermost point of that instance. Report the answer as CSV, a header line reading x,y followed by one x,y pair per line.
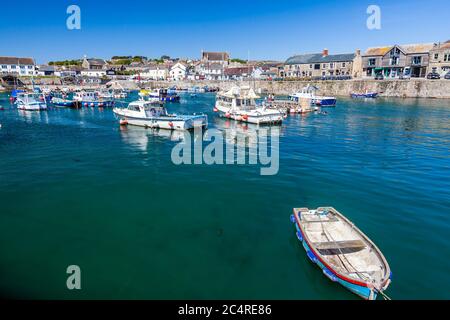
x,y
31,101
343,252
239,103
309,92
153,114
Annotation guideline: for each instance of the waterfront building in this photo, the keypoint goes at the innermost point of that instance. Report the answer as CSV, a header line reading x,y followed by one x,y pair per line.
x,y
156,72
319,65
440,58
93,68
213,71
94,64
17,66
215,57
45,70
393,61
237,73
178,71
213,64
93,73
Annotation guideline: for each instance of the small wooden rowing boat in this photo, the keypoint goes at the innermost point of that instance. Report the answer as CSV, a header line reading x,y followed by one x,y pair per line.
x,y
344,253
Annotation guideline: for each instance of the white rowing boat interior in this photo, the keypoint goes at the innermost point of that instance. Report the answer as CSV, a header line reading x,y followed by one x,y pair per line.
x,y
342,245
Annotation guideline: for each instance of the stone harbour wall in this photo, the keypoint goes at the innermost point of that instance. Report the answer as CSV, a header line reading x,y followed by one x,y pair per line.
x,y
414,88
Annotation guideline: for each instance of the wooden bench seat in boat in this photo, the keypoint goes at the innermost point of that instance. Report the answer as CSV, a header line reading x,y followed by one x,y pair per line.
x,y
336,245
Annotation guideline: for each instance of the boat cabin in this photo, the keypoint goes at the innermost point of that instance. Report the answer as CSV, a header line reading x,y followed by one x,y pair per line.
x,y
148,108
238,97
30,98
85,96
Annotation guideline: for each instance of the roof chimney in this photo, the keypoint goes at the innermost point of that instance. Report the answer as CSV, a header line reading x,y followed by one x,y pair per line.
x,y
325,52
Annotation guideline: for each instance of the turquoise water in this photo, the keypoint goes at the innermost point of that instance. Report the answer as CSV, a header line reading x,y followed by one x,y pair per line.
x,y
75,188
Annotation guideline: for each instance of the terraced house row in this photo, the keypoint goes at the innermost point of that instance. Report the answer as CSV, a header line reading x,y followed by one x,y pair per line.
x,y
393,61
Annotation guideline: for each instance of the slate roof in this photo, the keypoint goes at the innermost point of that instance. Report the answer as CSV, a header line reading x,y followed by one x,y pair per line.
x,y
215,56
16,60
237,71
47,68
406,48
100,62
319,58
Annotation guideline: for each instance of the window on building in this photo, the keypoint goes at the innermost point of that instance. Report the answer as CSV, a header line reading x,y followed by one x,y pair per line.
x,y
343,64
395,52
22,67
324,66
436,56
372,62
317,66
417,60
310,66
331,65
4,66
394,61
447,57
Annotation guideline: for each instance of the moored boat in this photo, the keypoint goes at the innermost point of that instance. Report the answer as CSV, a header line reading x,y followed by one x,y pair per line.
x,y
161,94
343,252
153,114
92,99
239,103
60,102
309,92
364,95
31,101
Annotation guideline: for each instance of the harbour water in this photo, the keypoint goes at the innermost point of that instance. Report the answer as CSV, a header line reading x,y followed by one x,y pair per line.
x,y
76,189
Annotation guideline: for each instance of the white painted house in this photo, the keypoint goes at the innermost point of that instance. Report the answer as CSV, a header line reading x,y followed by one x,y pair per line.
x,y
18,66
178,71
155,73
93,73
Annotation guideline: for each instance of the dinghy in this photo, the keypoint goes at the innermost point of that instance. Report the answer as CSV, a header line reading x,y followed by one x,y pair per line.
x,y
342,251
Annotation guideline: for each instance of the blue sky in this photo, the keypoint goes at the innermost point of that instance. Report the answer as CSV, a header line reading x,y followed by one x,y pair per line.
x,y
261,29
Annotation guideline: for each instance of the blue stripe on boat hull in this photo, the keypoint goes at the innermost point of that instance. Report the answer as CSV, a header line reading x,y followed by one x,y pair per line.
x,y
361,291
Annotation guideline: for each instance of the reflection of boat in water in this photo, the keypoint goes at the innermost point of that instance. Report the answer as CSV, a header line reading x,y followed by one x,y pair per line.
x,y
243,134
239,104
139,137
30,117
31,101
153,114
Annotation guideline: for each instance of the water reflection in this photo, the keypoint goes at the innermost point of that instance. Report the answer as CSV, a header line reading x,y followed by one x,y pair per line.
x,y
34,116
245,134
139,137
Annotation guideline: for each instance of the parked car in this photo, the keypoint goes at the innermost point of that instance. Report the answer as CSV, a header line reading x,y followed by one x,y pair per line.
x,y
379,77
447,76
433,76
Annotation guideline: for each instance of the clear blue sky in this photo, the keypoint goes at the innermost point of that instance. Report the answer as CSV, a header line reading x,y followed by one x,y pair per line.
x,y
267,29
